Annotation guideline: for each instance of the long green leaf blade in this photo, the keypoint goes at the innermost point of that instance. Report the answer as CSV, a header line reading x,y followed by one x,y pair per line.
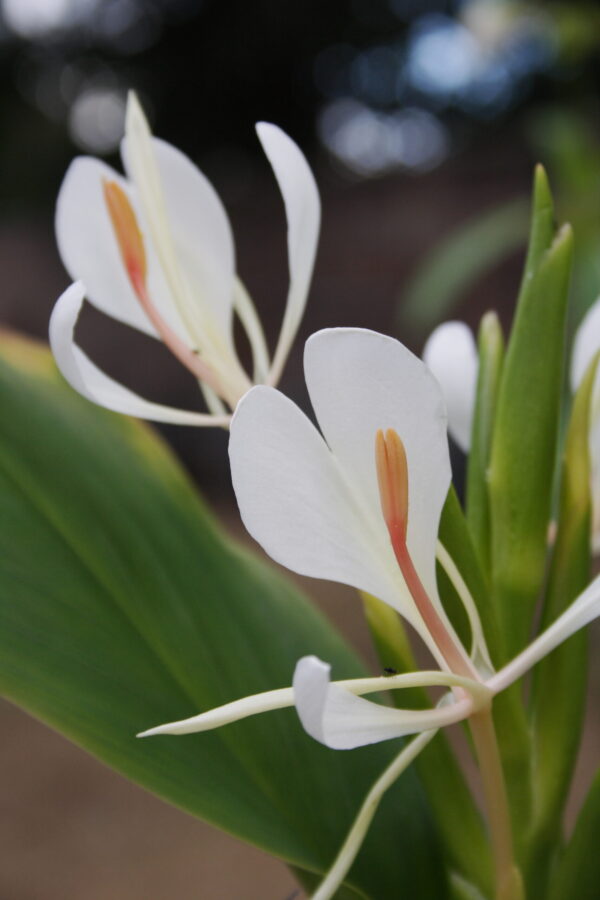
x,y
579,872
122,606
526,433
559,685
542,228
520,475
491,355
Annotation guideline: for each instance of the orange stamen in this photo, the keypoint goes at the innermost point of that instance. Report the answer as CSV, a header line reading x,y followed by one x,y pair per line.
x,y
392,475
128,234
131,246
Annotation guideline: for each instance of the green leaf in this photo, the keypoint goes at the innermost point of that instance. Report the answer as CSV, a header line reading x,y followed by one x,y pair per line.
x,y
558,711
527,425
122,606
467,849
542,229
491,356
391,643
458,261
578,875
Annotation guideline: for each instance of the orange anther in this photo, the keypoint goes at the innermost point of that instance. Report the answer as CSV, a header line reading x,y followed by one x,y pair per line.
x,y
392,475
128,234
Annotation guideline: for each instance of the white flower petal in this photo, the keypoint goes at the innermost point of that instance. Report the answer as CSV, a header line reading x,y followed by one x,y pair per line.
x,y
339,719
89,380
319,513
303,212
594,445
189,228
90,252
284,697
229,712
585,345
201,232
580,613
479,650
451,354
294,501
357,833
87,243
251,324
360,381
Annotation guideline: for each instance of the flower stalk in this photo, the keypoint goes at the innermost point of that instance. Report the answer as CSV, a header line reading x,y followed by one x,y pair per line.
x,y
509,884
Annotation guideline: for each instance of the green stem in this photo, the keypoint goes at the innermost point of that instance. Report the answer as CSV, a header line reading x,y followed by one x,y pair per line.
x,y
509,884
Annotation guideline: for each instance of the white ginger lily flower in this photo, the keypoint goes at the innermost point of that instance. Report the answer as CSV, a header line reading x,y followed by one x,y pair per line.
x,y
362,507
155,250
451,354
585,347
313,502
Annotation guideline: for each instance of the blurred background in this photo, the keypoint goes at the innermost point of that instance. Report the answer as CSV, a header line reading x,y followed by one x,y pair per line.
x,y
422,120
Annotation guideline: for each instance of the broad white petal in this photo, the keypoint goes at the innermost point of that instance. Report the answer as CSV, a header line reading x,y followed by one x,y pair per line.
x,y
201,232
303,212
451,354
90,253
294,500
229,712
189,227
360,381
586,344
339,719
580,613
89,380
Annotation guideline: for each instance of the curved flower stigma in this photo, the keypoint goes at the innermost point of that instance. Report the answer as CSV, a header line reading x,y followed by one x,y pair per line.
x,y
131,247
128,234
392,477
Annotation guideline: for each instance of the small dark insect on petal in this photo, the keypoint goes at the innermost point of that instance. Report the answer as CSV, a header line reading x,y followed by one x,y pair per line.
x,y
389,671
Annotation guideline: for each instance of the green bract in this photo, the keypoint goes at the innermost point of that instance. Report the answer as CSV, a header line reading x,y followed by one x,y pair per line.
x,y
526,426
